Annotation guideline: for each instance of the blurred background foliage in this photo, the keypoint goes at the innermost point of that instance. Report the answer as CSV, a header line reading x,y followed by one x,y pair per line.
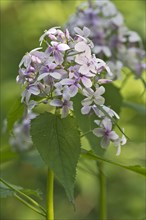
x,y
22,23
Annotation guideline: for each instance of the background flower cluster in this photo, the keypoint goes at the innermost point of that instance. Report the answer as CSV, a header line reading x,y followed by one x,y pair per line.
x,y
114,41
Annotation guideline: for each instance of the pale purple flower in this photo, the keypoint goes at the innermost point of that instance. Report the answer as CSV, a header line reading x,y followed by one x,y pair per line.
x,y
87,67
106,133
66,105
92,98
57,50
31,90
49,70
82,46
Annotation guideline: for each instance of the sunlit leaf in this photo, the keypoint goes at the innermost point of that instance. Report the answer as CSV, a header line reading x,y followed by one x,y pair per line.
x,y
58,142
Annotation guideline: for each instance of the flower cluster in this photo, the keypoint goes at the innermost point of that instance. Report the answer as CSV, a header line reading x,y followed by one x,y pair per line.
x,y
62,68
114,42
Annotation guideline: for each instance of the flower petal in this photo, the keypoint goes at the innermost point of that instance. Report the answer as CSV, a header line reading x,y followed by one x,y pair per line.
x,y
34,90
85,110
105,142
99,100
99,91
43,75
63,47
86,101
73,90
86,31
86,82
67,81
56,102
55,75
99,132
112,135
107,124
58,57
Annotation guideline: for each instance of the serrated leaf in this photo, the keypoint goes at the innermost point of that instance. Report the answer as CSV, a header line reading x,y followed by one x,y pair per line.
x,y
15,113
135,168
58,142
86,124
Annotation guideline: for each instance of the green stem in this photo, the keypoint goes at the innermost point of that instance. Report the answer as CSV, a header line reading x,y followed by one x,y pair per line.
x,y
28,205
50,193
24,195
102,193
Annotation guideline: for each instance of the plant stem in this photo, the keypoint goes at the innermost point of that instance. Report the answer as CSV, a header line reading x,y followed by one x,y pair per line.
x,y
102,193
24,195
28,205
50,192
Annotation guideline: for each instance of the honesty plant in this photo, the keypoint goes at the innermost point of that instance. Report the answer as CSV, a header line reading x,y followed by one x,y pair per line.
x,y
64,99
65,67
113,41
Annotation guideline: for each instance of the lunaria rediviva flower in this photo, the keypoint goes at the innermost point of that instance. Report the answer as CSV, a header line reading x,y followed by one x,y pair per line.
x,y
60,69
113,41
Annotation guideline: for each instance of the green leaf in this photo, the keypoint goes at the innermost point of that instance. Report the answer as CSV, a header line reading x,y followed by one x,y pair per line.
x,y
141,109
7,189
58,142
113,97
136,168
15,113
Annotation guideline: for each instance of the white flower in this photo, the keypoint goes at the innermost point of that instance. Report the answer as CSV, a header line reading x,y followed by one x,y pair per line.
x,y
119,142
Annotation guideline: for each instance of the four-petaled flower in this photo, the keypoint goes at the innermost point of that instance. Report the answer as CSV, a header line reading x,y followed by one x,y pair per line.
x,y
92,98
105,132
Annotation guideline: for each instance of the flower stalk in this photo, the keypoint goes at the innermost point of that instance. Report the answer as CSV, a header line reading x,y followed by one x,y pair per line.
x,y
50,195
102,193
